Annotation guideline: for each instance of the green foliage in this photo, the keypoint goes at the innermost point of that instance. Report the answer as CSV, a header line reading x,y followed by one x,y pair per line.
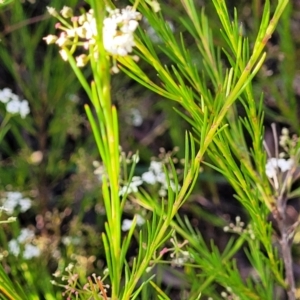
x,y
214,89
5,2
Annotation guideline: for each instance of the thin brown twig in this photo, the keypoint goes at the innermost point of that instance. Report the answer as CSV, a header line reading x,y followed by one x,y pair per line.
x,y
288,264
8,29
285,244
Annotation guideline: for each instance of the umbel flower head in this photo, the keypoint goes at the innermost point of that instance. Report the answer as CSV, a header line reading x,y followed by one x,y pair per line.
x,y
118,30
14,105
118,33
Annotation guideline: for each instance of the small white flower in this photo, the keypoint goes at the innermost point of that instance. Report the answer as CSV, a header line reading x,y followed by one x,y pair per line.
x,y
10,206
72,32
24,109
91,29
26,235
129,13
67,12
285,164
63,54
69,267
140,220
156,167
52,11
13,247
274,165
149,177
161,177
179,261
50,39
62,40
13,200
110,25
156,175
162,193
126,224
132,187
13,106
24,204
118,31
130,27
182,258
118,45
81,60
31,251
5,95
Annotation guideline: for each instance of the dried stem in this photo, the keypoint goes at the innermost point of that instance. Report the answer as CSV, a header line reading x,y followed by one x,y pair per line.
x,y
285,244
288,264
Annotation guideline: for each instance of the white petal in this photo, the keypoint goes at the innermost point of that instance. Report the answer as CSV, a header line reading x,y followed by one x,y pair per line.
x,y
5,95
24,204
140,220
24,109
31,251
13,247
156,166
13,106
126,224
25,235
149,177
285,165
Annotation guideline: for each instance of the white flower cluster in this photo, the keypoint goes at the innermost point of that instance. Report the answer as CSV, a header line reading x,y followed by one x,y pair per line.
x,y
275,165
24,241
126,224
155,175
13,200
118,30
238,228
132,187
8,220
82,32
13,103
180,258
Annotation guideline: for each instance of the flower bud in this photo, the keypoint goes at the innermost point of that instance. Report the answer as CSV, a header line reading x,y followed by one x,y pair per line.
x,y
52,11
67,12
50,39
82,60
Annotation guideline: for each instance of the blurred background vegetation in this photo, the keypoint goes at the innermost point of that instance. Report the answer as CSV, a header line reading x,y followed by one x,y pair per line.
x,y
51,158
